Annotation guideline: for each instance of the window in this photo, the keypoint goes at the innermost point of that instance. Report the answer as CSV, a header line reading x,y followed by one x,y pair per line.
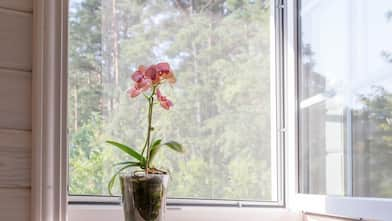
x,y
226,99
345,98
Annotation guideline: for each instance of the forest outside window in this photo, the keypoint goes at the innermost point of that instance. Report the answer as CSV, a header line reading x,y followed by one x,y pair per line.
x,y
226,101
345,98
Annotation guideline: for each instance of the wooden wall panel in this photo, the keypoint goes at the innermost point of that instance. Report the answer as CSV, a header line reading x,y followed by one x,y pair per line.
x,y
15,109
15,40
14,204
15,100
15,159
21,5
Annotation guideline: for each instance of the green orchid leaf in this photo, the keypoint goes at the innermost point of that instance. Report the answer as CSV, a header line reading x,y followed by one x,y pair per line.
x,y
127,162
175,146
129,150
113,179
155,147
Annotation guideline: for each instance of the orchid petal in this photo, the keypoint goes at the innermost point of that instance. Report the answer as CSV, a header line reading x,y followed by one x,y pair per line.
x,y
163,68
133,92
137,76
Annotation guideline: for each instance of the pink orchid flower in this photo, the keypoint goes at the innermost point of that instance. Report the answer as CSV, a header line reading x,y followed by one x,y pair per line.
x,y
133,92
141,82
151,77
163,67
137,76
165,72
144,84
165,103
152,74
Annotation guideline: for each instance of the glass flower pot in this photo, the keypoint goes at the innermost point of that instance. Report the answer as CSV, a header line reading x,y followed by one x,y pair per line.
x,y
144,196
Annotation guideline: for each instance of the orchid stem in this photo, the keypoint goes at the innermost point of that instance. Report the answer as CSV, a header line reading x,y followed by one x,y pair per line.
x,y
149,129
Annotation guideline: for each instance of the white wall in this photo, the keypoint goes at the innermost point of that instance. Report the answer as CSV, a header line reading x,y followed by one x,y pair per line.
x,y
15,108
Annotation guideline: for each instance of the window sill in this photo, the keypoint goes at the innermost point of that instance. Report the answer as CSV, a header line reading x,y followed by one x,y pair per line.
x,y
182,202
188,213
356,207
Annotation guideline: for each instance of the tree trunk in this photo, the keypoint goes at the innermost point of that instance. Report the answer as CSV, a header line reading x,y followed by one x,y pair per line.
x,y
76,108
115,43
197,82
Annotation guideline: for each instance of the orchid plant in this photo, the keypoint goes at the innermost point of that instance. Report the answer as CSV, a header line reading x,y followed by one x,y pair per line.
x,y
147,81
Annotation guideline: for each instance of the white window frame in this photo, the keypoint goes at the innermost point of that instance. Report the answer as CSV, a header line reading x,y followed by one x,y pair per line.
x,y
49,152
277,132
49,172
353,207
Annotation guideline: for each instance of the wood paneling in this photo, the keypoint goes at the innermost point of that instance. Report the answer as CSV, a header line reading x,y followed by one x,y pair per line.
x,y
15,40
15,109
15,99
14,204
21,5
15,159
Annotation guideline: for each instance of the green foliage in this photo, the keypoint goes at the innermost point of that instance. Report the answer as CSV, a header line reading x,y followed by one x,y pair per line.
x,y
141,160
131,152
155,147
175,146
128,150
372,121
113,179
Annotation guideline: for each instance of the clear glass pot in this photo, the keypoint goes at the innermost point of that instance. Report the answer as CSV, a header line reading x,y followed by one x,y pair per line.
x,y
144,196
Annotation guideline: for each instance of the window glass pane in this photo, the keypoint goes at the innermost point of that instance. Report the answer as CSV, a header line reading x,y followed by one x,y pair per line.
x,y
345,95
221,54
